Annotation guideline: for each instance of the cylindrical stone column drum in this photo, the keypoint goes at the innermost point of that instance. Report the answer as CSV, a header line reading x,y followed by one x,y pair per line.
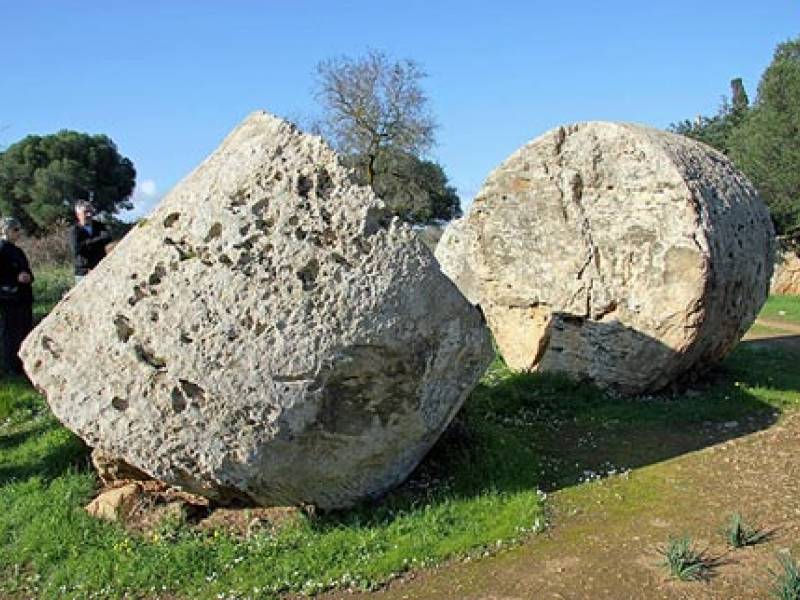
x,y
615,253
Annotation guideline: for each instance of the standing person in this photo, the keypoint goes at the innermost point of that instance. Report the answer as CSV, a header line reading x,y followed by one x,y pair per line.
x,y
88,239
16,295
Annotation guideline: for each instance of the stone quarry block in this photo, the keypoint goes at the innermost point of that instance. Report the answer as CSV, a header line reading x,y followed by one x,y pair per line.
x,y
266,335
115,504
615,253
786,278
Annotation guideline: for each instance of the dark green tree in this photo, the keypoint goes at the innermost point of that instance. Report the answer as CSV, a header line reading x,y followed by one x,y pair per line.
x,y
414,189
716,131
41,176
766,145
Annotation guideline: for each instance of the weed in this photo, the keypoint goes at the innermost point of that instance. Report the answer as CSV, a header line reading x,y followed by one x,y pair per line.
x,y
739,534
682,560
786,585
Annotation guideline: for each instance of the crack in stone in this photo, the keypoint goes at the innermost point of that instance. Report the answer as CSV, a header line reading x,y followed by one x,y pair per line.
x,y
292,378
610,308
574,193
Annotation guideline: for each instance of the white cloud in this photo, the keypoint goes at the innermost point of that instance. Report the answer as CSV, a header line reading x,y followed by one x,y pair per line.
x,y
147,187
145,197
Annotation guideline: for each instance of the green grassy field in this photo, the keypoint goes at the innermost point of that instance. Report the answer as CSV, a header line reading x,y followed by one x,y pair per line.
x,y
482,487
782,308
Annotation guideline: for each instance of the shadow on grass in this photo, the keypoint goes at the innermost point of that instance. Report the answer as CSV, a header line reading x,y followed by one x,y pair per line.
x,y
17,438
34,444
572,432
790,343
66,452
520,431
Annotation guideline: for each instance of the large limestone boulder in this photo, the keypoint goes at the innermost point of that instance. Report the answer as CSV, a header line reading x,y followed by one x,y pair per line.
x,y
614,252
786,279
265,335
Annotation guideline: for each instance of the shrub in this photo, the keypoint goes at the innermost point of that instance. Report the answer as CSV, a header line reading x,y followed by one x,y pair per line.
x,y
739,534
50,249
50,285
682,560
787,581
53,248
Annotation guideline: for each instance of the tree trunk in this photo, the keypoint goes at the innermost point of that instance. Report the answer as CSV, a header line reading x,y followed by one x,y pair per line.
x,y
371,170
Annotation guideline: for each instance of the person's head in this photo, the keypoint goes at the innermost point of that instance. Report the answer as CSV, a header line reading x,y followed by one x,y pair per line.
x,y
84,211
10,229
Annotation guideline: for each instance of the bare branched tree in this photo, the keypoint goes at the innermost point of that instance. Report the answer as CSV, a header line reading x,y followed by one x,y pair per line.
x,y
373,104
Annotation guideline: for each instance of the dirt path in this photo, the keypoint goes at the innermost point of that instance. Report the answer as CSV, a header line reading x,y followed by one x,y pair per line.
x,y
777,333
603,544
793,328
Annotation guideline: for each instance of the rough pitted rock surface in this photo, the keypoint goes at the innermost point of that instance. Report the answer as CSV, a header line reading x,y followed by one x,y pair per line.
x,y
266,334
786,279
614,252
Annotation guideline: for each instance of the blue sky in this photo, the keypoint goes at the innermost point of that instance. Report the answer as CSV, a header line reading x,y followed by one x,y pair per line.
x,y
167,80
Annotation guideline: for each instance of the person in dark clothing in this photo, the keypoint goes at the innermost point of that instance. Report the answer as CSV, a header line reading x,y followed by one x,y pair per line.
x,y
88,239
16,295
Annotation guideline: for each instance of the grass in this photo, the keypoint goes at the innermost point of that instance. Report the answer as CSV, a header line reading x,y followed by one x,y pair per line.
x,y
683,560
51,548
786,582
739,534
782,308
479,489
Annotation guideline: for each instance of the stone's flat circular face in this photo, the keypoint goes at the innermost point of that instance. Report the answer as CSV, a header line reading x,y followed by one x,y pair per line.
x,y
615,253
265,334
